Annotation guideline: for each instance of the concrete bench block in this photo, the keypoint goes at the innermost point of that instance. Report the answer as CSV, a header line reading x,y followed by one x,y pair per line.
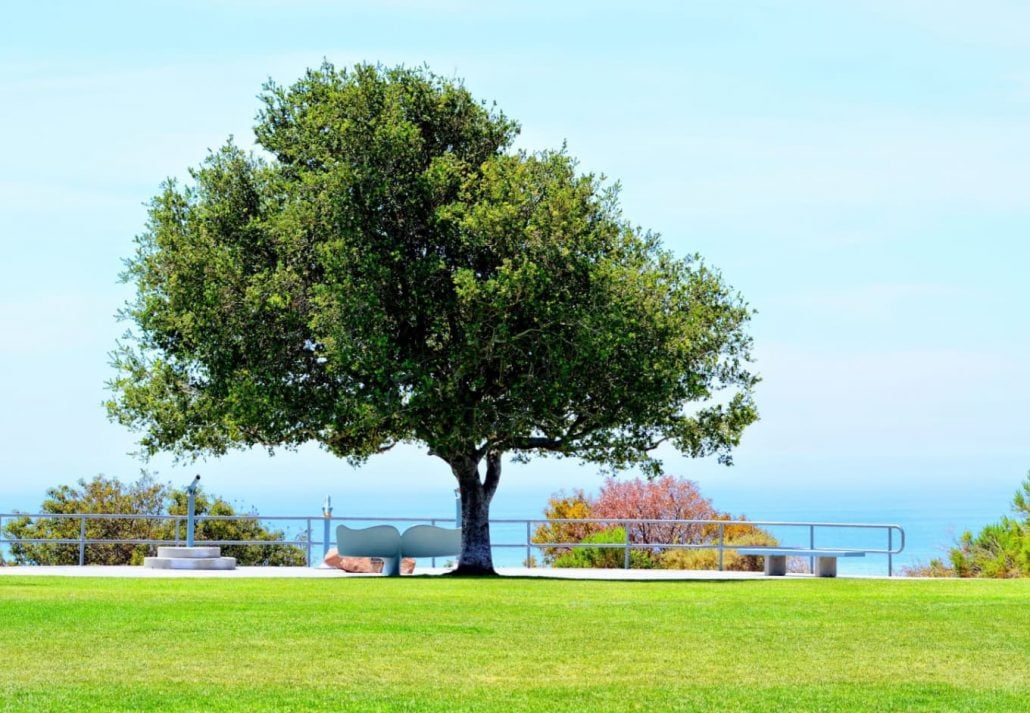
x,y
826,566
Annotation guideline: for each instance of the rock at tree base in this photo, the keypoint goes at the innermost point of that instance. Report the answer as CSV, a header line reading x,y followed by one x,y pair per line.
x,y
364,565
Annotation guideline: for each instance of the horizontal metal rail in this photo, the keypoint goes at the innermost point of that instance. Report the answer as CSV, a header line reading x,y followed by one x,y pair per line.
x,y
307,541
720,544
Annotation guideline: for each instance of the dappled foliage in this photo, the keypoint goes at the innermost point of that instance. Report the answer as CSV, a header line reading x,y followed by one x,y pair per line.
x,y
666,498
106,496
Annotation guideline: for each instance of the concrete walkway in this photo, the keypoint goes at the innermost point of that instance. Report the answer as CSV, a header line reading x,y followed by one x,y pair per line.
x,y
328,573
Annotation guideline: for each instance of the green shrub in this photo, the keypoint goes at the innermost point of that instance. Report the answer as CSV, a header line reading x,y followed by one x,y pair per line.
x,y
936,568
1000,549
731,560
605,557
575,506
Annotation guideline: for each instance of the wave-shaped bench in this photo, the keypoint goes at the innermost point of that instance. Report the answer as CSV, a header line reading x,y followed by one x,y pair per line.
x,y
776,558
385,542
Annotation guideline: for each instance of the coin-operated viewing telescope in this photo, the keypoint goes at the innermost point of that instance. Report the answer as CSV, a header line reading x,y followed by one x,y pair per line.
x,y
191,506
190,557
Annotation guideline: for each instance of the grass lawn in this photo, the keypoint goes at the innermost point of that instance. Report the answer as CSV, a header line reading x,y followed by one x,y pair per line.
x,y
442,644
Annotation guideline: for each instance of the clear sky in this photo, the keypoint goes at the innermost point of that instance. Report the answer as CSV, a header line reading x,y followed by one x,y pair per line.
x,y
858,170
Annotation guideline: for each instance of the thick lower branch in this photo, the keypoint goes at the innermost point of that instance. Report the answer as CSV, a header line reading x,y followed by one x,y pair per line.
x,y
493,473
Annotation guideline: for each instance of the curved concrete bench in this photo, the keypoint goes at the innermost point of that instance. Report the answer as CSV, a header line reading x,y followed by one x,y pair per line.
x,y
386,543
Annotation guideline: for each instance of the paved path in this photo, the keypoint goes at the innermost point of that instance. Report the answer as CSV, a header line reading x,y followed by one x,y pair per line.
x,y
327,573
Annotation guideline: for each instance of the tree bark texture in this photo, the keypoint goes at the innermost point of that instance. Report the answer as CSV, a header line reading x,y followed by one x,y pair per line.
x,y
476,557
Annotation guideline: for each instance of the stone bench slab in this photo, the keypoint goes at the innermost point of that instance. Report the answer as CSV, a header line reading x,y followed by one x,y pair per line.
x,y
798,552
180,552
776,558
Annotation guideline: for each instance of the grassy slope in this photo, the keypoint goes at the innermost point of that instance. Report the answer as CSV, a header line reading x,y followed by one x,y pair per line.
x,y
510,644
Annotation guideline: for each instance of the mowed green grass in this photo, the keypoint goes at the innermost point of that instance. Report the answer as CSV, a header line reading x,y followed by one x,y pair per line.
x,y
447,644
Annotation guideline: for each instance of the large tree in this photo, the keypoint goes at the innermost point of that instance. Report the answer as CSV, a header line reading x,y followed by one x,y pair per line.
x,y
392,271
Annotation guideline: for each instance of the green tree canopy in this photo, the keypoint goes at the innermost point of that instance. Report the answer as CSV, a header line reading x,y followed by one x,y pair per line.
x,y
393,272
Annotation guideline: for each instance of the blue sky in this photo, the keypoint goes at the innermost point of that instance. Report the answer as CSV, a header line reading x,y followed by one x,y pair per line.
x,y
858,170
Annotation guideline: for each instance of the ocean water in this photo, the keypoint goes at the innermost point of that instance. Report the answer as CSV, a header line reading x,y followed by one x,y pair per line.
x,y
929,532
932,518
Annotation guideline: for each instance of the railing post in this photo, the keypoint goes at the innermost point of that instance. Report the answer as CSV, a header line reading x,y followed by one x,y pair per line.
x,y
528,540
327,513
625,563
82,540
309,543
811,546
432,562
722,529
890,546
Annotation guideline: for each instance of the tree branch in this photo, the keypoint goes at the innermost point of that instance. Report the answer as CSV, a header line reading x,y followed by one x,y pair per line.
x,y
541,443
493,473
553,444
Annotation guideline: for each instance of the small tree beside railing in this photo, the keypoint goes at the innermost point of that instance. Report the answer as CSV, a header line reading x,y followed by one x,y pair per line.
x,y
662,511
116,537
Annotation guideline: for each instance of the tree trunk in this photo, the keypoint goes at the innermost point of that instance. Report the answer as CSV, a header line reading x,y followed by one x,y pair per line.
x,y
476,557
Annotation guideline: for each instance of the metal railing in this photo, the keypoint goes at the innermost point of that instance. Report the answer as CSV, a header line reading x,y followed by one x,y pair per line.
x,y
306,537
719,542
303,539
